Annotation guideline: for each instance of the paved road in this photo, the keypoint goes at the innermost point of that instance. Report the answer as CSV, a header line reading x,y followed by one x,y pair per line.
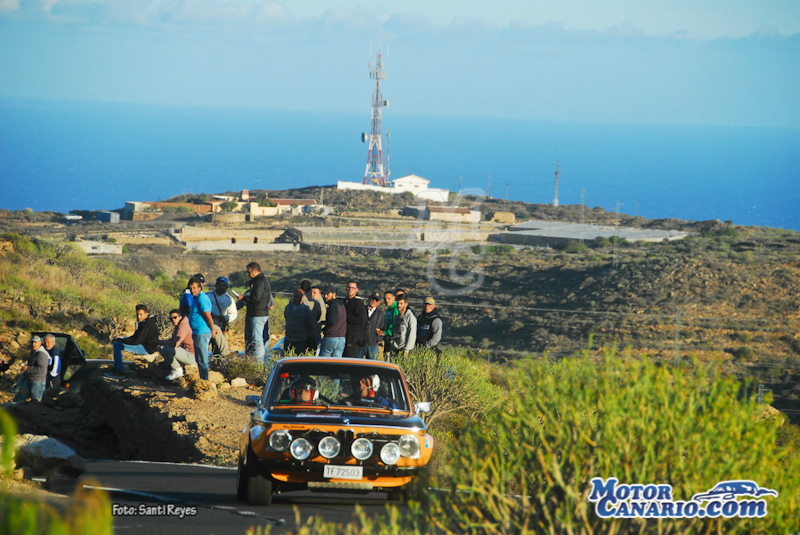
x,y
150,497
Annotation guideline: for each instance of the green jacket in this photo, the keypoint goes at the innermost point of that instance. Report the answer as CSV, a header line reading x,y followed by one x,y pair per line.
x,y
391,314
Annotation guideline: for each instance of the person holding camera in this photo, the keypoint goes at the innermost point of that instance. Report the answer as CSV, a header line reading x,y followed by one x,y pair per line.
x,y
223,313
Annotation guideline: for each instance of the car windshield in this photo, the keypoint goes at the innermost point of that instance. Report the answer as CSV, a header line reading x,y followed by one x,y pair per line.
x,y
340,385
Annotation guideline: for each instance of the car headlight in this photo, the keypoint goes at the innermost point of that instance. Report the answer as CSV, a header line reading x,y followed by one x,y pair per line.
x,y
301,449
361,449
280,440
390,453
329,447
409,446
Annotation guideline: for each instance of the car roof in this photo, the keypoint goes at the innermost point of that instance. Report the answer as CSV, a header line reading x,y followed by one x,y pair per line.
x,y
342,361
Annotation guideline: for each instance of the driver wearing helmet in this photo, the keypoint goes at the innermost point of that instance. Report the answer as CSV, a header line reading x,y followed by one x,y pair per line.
x,y
365,390
304,390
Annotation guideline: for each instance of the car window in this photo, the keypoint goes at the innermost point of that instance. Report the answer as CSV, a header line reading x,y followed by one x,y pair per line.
x,y
338,385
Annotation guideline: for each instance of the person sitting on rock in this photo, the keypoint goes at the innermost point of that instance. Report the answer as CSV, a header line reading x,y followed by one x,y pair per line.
x,y
179,349
143,341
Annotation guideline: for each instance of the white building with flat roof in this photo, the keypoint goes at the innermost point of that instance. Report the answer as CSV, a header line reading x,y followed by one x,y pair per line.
x,y
414,184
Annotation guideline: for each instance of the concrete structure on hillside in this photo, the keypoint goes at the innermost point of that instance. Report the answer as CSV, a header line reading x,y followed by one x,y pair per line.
x,y
416,185
554,233
450,214
107,217
99,247
142,211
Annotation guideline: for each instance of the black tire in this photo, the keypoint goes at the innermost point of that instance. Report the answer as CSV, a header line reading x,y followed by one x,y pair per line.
x,y
241,481
258,489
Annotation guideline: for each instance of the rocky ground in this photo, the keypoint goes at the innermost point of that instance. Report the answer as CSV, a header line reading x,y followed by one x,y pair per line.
x,y
143,416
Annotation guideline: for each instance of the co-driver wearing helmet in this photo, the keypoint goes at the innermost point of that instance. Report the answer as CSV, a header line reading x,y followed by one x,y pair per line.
x,y
365,390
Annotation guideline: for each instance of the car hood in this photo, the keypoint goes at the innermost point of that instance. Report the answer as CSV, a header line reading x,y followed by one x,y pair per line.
x,y
344,418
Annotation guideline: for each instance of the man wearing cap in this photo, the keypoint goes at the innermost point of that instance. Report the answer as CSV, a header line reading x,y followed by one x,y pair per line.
x,y
223,313
375,317
32,381
429,326
335,326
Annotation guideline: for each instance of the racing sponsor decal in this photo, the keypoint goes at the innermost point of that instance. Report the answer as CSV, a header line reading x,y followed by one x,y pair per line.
x,y
634,500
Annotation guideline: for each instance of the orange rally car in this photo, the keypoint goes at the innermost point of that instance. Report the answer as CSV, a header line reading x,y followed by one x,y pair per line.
x,y
331,424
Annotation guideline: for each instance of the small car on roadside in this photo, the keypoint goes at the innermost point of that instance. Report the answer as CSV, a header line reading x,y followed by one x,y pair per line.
x,y
332,424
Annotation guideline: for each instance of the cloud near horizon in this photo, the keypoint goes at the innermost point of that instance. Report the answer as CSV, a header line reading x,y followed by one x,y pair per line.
x,y
261,53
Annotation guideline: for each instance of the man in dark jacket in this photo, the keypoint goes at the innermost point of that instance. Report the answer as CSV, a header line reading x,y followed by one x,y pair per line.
x,y
429,326
335,326
143,341
258,300
299,324
356,321
375,317
32,381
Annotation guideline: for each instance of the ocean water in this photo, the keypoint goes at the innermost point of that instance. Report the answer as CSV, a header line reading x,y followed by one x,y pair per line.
x,y
57,155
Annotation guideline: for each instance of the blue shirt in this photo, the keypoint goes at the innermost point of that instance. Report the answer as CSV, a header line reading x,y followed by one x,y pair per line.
x,y
197,306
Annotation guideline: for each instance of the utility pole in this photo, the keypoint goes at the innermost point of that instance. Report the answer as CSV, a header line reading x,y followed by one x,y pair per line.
x,y
505,197
677,358
489,187
459,185
583,204
616,235
558,169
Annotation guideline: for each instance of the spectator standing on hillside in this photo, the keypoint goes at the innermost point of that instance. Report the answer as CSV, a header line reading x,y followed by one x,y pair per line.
x,y
54,362
223,313
375,319
404,329
429,326
314,307
32,381
179,349
143,341
320,311
258,300
356,321
335,327
299,324
202,325
388,322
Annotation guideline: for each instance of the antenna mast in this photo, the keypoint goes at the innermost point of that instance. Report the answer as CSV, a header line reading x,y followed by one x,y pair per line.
x,y
558,170
374,173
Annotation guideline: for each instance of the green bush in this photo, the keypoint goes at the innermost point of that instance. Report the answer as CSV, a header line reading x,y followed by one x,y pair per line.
x,y
88,513
453,384
527,467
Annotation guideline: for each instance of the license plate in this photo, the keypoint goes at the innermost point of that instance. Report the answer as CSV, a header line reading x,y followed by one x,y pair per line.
x,y
343,472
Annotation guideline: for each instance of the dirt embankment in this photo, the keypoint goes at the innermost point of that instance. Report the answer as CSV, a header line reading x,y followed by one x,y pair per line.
x,y
145,418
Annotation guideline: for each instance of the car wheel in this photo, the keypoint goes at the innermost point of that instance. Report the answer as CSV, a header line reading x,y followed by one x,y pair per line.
x,y
259,486
241,480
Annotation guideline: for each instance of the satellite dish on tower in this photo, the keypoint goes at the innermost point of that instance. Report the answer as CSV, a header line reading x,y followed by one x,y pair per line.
x,y
363,137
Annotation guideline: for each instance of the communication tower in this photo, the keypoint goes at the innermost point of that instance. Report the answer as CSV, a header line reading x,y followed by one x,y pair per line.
x,y
558,171
374,173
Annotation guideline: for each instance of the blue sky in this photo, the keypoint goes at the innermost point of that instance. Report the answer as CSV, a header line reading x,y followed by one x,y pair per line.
x,y
717,62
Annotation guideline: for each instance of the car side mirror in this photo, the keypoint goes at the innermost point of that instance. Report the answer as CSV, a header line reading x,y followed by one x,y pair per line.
x,y
252,400
422,406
